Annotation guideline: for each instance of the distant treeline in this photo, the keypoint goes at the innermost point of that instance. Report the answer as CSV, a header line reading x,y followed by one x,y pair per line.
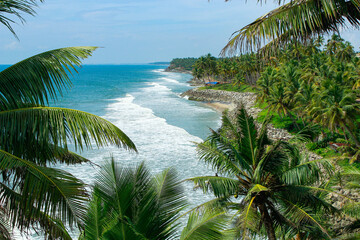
x,y
182,63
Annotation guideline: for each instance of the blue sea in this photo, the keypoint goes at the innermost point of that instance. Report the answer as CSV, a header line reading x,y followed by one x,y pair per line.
x,y
145,103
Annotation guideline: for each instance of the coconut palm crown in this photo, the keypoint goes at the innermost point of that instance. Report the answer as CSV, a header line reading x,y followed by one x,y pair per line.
x,y
269,185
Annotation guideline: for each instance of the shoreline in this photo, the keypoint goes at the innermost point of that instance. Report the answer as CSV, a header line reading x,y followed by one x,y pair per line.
x,y
219,106
221,100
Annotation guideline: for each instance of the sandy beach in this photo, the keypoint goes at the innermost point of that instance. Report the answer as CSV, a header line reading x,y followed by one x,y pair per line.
x,y
220,107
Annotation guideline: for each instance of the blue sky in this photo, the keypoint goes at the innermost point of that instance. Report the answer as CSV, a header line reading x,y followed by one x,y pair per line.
x,y
134,31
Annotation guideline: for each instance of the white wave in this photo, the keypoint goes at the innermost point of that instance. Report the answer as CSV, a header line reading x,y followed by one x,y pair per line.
x,y
158,70
171,80
159,88
185,97
160,144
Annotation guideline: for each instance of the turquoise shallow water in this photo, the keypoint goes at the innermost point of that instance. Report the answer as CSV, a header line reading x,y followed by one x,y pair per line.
x,y
144,102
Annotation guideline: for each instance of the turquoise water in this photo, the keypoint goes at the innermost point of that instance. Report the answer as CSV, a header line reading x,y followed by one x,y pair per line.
x,y
144,102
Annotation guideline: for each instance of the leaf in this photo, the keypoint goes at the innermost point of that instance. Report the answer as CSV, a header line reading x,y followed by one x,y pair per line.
x,y
51,124
205,226
40,78
295,20
220,186
16,8
55,192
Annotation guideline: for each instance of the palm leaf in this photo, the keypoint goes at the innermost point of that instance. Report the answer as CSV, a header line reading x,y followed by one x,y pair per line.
x,y
41,77
97,219
205,226
131,204
220,156
55,192
51,124
171,199
220,186
249,136
302,214
295,20
15,8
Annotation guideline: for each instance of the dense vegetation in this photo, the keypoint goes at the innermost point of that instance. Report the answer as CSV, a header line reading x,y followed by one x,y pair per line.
x,y
313,88
272,183
182,64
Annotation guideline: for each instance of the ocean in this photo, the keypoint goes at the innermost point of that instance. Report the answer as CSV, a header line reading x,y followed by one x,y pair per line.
x,y
145,103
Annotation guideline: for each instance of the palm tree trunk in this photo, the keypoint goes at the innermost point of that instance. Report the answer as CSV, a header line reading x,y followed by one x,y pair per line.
x,y
268,222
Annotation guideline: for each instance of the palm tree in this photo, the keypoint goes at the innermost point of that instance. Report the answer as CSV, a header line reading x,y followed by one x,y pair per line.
x,y
272,183
265,82
335,108
297,20
34,135
132,204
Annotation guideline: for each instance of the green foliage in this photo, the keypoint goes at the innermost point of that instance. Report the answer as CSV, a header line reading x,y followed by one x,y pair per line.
x,y
34,136
273,184
311,86
231,87
300,20
129,203
16,8
236,70
205,225
182,63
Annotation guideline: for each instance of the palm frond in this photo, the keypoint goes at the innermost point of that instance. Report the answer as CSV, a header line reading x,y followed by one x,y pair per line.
x,y
55,229
249,136
40,78
44,192
97,219
303,214
16,8
51,124
220,186
219,156
248,220
205,226
131,204
171,199
6,230
296,20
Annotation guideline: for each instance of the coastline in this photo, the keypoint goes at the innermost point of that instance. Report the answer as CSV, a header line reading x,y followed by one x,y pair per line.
x,y
221,100
219,106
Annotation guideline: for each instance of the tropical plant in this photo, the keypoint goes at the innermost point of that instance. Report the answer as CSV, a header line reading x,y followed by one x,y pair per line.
x,y
16,8
132,204
34,136
276,190
298,20
336,108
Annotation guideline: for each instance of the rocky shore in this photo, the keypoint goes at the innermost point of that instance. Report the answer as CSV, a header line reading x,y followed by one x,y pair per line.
x,y
247,100
235,100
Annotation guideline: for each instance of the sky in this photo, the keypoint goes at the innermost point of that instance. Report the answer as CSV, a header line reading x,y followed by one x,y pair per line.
x,y
134,31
